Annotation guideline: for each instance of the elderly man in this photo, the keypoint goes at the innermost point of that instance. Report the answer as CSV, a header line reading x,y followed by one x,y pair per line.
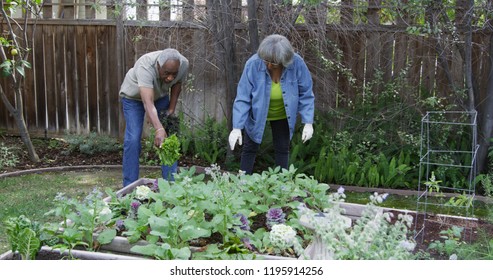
x,y
151,86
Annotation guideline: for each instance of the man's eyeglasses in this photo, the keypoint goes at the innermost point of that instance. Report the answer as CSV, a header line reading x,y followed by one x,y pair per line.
x,y
271,63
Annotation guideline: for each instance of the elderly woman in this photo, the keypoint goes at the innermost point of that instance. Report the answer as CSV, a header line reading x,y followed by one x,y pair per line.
x,y
275,86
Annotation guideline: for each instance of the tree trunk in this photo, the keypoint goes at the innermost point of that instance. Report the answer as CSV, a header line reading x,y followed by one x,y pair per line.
x,y
21,125
253,25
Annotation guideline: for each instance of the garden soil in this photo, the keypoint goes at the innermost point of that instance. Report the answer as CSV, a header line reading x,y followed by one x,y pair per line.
x,y
56,154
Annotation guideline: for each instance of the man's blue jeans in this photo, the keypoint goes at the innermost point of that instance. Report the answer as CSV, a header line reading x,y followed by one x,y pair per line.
x,y
134,113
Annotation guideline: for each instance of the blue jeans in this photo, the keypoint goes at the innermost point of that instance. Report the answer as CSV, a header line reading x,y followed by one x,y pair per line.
x,y
280,140
134,112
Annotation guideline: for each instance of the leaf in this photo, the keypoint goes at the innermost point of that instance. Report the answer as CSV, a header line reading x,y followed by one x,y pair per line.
x,y
182,254
107,236
146,250
190,232
28,244
20,70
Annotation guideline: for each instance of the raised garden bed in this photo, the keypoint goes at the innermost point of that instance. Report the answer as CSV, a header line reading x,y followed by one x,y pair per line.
x,y
47,253
224,216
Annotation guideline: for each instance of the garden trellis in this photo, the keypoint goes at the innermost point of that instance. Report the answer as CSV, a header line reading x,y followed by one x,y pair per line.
x,y
447,167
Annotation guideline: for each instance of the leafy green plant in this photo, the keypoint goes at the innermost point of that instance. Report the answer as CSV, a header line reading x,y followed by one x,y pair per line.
x,y
169,152
92,143
451,241
209,140
23,236
462,200
486,181
8,156
82,219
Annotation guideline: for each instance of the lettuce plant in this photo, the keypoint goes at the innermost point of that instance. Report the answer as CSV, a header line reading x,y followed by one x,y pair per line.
x,y
169,152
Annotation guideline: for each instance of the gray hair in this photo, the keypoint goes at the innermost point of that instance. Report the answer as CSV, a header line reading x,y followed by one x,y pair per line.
x,y
276,48
168,54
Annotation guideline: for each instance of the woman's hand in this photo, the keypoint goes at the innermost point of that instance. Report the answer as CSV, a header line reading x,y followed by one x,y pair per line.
x,y
307,132
235,136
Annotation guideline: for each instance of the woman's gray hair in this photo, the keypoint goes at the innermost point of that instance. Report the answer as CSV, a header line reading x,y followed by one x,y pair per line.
x,y
277,49
168,54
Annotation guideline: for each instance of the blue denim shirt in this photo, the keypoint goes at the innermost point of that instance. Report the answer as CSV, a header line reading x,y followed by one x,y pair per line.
x,y
251,105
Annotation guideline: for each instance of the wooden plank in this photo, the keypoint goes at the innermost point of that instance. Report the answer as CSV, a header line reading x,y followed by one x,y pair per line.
x,y
60,80
29,90
80,92
92,75
103,53
50,77
443,83
112,85
39,68
70,79
386,56
415,56
373,48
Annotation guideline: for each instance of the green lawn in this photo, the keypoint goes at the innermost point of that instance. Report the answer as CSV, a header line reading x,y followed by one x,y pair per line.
x,y
32,195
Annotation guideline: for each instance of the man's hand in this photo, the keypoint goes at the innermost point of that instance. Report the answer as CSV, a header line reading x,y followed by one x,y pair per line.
x,y
235,136
159,137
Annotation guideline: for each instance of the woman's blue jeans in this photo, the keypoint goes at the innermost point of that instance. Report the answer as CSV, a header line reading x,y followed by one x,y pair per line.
x,y
134,113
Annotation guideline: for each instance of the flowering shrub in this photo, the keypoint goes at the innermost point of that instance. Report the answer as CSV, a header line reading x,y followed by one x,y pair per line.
x,y
372,237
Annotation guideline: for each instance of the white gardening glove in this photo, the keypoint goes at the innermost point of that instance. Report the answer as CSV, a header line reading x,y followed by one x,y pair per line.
x,y
234,136
307,132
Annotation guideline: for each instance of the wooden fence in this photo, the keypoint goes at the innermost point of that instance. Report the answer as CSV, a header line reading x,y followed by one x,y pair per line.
x,y
74,82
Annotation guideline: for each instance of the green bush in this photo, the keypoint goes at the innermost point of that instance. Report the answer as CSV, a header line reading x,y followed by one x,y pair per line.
x,y
8,156
92,143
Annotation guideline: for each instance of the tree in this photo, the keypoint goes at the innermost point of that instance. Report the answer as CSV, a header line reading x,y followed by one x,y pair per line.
x,y
14,53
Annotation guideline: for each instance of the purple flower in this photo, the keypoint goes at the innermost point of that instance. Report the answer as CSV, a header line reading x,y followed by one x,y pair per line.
x,y
244,223
135,206
275,216
247,244
120,225
155,186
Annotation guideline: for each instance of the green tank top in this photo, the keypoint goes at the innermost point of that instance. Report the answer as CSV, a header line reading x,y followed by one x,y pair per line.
x,y
276,105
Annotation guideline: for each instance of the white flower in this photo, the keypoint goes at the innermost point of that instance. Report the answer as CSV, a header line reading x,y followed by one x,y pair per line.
x,y
453,257
340,190
142,192
105,211
408,245
282,236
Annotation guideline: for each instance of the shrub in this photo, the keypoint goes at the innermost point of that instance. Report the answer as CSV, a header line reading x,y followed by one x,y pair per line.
x,y
92,144
8,157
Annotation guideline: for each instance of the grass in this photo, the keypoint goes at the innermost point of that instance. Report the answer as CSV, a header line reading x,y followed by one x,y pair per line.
x,y
32,195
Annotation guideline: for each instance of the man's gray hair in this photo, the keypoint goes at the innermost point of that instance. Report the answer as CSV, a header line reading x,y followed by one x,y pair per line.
x,y
277,49
168,54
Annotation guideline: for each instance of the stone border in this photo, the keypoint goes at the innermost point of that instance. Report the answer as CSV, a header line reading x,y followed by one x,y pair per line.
x,y
67,168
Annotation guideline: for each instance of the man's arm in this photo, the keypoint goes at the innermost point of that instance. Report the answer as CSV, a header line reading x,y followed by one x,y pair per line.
x,y
174,94
147,96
